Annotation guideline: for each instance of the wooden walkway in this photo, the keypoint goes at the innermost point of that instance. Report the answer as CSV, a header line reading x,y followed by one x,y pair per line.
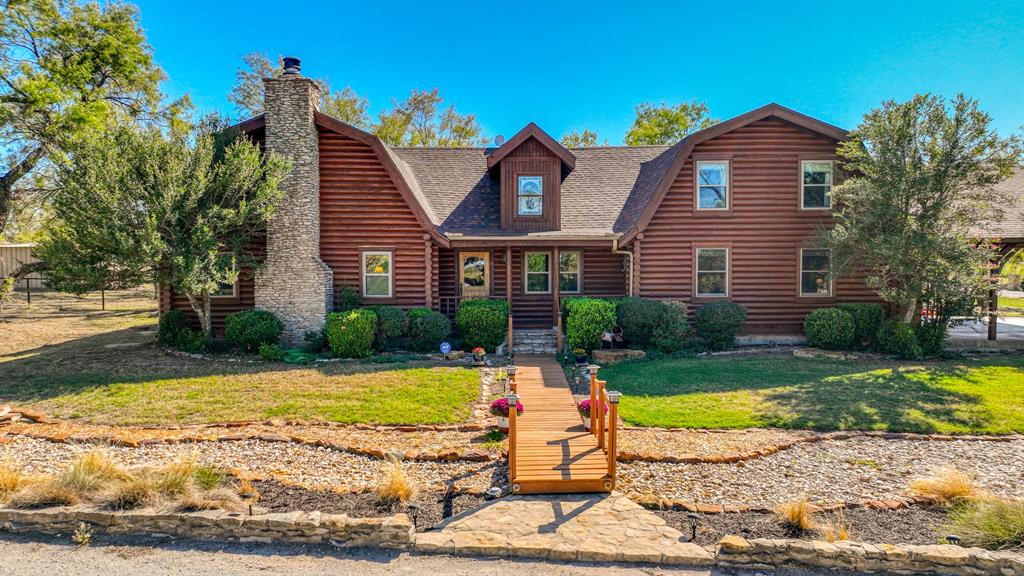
x,y
554,453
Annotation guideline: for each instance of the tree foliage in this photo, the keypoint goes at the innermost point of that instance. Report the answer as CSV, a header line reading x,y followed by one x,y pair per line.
x,y
667,124
66,70
584,139
421,120
247,94
136,206
912,214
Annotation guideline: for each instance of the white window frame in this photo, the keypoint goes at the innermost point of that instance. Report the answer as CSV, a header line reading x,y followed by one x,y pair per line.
x,y
726,184
578,272
234,286
801,271
519,194
389,274
831,184
527,273
697,272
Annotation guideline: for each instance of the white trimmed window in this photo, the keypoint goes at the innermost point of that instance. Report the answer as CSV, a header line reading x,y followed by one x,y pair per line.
x,y
530,195
227,289
713,185
816,184
377,271
570,266
712,272
538,273
814,272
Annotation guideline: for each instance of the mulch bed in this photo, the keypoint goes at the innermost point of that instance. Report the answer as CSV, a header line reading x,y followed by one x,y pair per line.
x,y
435,506
916,525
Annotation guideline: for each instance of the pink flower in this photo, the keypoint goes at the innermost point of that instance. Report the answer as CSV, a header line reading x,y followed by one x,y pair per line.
x,y
500,407
584,408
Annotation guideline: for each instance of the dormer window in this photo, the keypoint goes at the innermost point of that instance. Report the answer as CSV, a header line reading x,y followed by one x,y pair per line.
x,y
530,196
713,185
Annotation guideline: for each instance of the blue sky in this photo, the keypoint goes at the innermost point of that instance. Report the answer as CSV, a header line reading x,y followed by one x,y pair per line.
x,y
569,66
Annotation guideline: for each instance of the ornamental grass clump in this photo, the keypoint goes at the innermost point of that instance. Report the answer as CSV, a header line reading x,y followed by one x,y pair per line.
x,y
797,516
12,479
989,522
90,472
133,492
393,484
945,485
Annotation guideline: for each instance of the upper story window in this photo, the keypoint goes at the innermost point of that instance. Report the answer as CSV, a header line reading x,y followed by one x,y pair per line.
x,y
377,271
816,184
814,273
569,272
713,185
712,272
530,195
538,273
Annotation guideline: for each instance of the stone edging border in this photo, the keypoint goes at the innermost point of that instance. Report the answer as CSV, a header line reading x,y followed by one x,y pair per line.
x,y
292,527
652,502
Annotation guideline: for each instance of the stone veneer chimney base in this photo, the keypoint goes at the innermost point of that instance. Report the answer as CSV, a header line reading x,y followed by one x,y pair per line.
x,y
295,284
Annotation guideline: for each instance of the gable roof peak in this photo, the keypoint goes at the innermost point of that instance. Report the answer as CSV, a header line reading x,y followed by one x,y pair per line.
x,y
531,130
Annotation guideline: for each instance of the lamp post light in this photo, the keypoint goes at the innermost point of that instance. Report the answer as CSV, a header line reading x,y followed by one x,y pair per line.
x,y
694,519
414,512
511,371
954,539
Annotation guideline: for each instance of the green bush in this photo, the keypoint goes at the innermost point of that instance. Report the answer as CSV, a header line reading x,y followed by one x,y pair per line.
x,y
271,352
427,329
316,340
718,323
587,319
867,319
652,324
172,323
190,340
931,335
391,323
350,334
830,329
672,331
250,329
346,299
898,338
482,323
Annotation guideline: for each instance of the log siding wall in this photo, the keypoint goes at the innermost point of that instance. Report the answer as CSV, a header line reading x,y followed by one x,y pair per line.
x,y
764,228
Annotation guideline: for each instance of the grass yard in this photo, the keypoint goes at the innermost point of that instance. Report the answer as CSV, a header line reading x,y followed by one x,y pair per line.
x,y
69,359
1009,306
970,395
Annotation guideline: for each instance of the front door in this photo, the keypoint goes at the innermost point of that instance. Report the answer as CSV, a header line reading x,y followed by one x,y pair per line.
x,y
475,274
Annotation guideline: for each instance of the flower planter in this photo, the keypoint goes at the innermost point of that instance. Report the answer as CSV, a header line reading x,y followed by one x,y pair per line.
x,y
503,424
581,359
586,422
478,358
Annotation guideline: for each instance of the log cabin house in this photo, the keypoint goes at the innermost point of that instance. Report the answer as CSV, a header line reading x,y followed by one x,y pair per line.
x,y
729,212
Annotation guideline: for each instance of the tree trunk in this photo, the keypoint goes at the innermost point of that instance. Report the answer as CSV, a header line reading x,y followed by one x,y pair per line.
x,y
909,311
201,306
8,180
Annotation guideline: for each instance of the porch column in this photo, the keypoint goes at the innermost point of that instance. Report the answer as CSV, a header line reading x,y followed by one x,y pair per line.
x,y
428,275
508,277
555,285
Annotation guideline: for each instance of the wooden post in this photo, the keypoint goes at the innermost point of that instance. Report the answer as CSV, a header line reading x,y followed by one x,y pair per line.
x,y
599,408
558,331
993,314
555,276
613,436
103,299
637,268
28,289
510,333
593,397
428,274
508,276
513,401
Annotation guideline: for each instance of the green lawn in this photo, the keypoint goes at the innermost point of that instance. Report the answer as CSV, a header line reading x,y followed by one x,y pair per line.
x,y
1011,306
985,395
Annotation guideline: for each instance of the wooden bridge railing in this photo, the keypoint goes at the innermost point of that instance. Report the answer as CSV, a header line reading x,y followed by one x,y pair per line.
x,y
513,403
605,425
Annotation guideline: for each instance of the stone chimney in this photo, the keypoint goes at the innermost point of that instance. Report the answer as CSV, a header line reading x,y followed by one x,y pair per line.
x,y
295,284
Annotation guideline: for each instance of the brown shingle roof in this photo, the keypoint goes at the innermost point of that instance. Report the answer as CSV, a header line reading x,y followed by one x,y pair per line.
x,y
606,191
1011,225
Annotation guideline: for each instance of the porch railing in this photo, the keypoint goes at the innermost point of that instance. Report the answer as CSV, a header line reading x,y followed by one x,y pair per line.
x,y
605,424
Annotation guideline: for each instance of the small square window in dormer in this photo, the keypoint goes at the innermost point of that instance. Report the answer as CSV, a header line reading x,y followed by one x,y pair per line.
x,y
530,195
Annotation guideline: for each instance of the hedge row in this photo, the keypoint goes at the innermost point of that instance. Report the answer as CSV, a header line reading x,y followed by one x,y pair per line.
x,y
862,326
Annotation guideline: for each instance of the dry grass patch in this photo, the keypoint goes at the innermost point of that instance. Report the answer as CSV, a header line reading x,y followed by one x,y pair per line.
x,y
945,485
798,516
90,472
837,529
989,522
135,491
44,494
215,499
12,479
393,484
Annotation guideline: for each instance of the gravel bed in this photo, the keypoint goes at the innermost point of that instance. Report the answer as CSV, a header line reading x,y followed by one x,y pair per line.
x,y
917,525
313,467
833,471
434,506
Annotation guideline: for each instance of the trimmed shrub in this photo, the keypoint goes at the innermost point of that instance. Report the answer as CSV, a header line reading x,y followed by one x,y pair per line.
x,y
482,323
316,340
172,323
271,352
427,329
250,329
346,299
672,330
588,318
931,335
830,328
867,319
391,323
897,338
718,322
190,340
638,318
350,334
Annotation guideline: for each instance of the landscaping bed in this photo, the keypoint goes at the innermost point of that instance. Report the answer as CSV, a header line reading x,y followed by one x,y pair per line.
x,y
914,525
434,505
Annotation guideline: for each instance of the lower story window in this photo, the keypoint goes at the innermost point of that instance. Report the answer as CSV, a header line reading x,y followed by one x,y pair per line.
x,y
814,273
712,272
569,266
538,273
377,274
227,289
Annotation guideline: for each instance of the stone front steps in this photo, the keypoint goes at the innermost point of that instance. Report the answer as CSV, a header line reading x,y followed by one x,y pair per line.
x,y
534,341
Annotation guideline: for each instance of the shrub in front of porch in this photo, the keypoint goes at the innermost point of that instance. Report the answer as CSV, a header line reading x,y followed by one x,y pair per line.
x,y
867,318
427,329
588,318
482,323
650,324
392,323
350,334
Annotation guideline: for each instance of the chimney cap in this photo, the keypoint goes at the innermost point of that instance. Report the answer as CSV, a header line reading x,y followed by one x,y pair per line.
x,y
292,65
